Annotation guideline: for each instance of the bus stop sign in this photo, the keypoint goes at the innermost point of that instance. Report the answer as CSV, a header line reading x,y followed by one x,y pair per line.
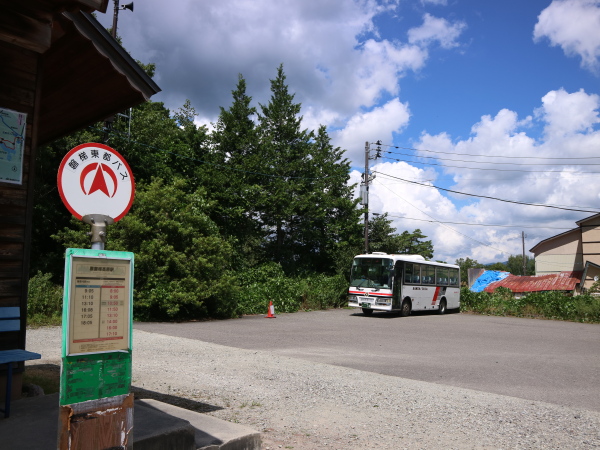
x,y
95,179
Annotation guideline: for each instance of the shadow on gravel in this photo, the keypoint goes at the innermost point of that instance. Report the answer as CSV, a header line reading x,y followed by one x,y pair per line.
x,y
47,376
181,402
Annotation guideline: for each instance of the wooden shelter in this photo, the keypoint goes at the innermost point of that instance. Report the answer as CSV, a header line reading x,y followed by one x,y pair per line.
x,y
59,66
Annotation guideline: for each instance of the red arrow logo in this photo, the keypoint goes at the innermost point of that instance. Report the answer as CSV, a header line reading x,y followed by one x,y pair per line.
x,y
99,181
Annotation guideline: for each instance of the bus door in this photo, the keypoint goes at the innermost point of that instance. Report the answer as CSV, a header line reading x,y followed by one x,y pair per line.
x,y
412,284
397,284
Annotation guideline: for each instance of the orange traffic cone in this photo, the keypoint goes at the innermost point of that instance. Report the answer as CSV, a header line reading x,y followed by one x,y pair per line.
x,y
271,314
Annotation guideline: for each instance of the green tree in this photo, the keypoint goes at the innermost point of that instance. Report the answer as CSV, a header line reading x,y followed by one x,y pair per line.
x,y
327,214
382,235
413,243
383,238
283,194
285,150
465,264
49,212
515,265
237,180
497,266
183,267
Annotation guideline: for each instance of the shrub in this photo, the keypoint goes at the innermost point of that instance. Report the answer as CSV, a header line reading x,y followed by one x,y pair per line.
x,y
268,283
183,266
321,291
45,300
550,305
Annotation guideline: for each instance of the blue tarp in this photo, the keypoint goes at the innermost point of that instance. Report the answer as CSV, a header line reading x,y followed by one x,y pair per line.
x,y
487,278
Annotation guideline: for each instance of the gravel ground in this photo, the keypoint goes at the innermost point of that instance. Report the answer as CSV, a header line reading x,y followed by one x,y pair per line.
x,y
304,405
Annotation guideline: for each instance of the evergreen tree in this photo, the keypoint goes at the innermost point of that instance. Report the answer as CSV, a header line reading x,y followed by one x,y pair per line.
x,y
235,143
383,238
329,218
285,150
413,244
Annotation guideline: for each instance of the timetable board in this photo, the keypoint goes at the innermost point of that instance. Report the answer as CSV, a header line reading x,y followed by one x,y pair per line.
x,y
97,336
99,305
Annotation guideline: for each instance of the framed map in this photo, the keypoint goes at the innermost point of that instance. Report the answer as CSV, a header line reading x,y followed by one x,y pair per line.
x,y
12,145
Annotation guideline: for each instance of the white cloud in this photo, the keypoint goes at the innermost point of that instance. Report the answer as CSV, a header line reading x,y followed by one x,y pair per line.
x,y
567,114
334,58
435,29
201,47
378,124
573,25
572,132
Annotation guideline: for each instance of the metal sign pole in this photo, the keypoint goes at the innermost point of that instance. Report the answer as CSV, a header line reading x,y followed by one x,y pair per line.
x,y
99,223
96,405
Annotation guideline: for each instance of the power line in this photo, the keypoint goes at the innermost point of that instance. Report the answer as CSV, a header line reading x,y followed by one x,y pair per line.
x,y
483,156
444,225
482,168
493,162
488,197
482,224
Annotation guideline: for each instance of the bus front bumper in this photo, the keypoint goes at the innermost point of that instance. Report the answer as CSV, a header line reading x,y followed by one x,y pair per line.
x,y
371,303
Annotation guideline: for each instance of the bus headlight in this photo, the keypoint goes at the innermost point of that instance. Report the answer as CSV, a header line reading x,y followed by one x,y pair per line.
x,y
352,298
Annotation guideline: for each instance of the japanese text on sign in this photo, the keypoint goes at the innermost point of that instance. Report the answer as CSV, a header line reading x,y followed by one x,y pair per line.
x,y
99,306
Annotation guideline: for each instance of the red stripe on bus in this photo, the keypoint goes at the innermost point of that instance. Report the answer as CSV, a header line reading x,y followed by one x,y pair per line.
x,y
369,294
435,296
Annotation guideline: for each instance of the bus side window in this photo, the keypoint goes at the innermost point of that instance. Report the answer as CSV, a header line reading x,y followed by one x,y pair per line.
x,y
417,275
428,274
408,273
454,277
442,274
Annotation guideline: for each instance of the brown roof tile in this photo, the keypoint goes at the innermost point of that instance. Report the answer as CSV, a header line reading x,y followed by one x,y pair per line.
x,y
564,281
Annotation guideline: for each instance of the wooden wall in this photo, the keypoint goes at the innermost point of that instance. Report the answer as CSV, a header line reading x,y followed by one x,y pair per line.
x,y
19,91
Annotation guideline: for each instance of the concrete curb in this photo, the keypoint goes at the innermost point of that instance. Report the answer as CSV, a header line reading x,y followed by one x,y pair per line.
x,y
210,433
33,424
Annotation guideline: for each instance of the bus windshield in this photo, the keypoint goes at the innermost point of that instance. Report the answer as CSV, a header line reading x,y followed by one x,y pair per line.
x,y
371,273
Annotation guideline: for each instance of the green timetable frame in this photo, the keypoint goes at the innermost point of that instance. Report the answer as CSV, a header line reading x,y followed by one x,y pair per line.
x,y
97,325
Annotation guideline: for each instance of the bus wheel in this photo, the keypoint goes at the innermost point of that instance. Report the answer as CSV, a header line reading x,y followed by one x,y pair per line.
x,y
367,311
442,309
405,309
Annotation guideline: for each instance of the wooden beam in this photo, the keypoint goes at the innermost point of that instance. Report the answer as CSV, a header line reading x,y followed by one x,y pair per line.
x,y
27,32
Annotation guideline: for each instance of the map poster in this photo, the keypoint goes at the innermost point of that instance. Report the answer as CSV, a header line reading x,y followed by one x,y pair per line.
x,y
12,145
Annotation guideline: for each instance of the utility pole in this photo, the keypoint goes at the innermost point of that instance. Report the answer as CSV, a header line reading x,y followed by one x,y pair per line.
x,y
365,197
108,123
364,187
115,18
524,263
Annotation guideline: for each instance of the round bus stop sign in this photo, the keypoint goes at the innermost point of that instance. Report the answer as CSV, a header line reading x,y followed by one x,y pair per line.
x,y
96,179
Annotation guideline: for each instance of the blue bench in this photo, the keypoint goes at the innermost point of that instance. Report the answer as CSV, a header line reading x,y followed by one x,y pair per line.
x,y
10,320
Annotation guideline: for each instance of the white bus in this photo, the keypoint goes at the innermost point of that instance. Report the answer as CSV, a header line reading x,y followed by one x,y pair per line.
x,y
403,283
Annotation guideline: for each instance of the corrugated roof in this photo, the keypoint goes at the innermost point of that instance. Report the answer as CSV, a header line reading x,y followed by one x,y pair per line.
x,y
564,281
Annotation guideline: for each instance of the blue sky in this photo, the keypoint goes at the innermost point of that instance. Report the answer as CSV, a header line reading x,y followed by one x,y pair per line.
x,y
503,88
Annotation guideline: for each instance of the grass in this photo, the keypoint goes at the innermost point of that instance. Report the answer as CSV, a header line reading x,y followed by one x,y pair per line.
x,y
39,320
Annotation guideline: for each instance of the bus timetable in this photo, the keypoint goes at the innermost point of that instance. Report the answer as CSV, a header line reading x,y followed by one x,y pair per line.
x,y
99,306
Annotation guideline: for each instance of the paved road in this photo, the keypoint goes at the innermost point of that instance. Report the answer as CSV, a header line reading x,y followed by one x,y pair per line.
x,y
551,361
